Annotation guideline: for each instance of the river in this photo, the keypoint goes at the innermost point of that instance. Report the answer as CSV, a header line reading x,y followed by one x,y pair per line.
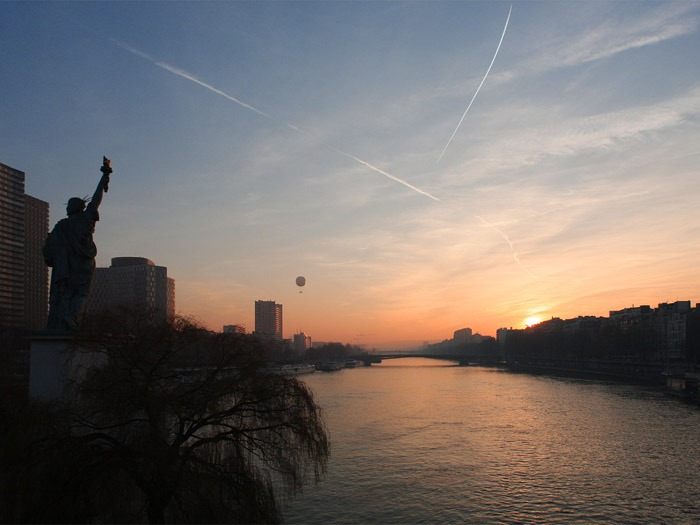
x,y
424,441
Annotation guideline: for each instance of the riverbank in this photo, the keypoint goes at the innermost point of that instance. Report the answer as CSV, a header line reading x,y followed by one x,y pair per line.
x,y
683,388
577,373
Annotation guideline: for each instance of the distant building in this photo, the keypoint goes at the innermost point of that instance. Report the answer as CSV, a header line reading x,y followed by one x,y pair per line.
x,y
268,320
24,226
302,343
502,335
671,323
463,335
133,281
631,316
234,329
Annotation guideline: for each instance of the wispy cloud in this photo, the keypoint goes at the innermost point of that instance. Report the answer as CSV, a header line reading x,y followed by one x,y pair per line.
x,y
552,135
612,36
617,36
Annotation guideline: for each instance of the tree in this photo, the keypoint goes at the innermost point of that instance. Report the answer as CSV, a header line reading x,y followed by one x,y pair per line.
x,y
174,424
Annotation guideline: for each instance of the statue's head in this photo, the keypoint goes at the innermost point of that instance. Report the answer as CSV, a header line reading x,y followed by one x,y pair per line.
x,y
75,205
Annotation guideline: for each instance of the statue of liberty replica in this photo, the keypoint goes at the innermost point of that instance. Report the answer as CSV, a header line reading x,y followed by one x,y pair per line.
x,y
70,251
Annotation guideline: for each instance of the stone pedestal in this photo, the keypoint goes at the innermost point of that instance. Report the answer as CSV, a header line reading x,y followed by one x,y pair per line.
x,y
48,366
53,364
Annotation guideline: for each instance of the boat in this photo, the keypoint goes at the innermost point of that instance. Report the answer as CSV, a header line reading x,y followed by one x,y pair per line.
x,y
330,366
685,387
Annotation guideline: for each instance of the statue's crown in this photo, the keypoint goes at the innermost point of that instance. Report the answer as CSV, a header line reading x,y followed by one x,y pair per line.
x,y
75,205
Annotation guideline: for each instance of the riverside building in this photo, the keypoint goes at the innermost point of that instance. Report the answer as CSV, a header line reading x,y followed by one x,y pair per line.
x,y
268,320
302,343
133,281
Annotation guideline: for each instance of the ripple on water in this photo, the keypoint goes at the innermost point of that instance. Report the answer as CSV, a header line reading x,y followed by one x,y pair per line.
x,y
474,445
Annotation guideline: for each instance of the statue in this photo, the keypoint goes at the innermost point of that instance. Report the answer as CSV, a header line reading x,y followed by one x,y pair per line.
x,y
70,251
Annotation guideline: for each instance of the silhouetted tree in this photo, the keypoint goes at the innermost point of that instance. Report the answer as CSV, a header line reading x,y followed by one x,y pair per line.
x,y
331,352
169,423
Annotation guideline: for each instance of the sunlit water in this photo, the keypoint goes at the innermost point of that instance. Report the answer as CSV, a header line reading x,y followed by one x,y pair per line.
x,y
426,444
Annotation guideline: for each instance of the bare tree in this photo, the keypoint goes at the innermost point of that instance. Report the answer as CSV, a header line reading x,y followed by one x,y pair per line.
x,y
175,424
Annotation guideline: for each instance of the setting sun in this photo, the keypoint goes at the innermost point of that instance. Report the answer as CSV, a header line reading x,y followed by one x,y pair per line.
x,y
533,320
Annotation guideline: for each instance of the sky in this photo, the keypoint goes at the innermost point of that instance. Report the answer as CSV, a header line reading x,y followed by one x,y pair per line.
x,y
254,142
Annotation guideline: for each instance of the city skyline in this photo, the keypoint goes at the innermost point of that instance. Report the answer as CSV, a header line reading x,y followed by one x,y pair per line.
x,y
256,142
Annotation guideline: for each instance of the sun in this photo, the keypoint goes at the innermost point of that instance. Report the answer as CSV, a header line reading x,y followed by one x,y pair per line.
x,y
532,320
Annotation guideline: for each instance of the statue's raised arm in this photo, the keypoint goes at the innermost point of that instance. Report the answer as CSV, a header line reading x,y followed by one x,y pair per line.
x,y
103,185
70,251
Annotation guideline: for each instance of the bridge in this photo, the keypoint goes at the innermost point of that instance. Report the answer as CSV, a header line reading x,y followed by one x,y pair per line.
x,y
462,359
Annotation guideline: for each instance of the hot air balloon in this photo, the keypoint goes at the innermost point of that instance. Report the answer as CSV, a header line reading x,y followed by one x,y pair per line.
x,y
301,281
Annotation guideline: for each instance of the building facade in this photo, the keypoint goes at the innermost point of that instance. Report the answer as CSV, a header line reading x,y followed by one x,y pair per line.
x,y
11,247
36,275
133,281
302,343
24,225
463,335
268,320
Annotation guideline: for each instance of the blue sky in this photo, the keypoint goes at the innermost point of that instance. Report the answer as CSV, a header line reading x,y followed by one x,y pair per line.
x,y
570,188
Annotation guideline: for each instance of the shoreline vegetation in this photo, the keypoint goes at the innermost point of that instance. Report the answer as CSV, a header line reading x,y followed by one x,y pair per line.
x,y
160,421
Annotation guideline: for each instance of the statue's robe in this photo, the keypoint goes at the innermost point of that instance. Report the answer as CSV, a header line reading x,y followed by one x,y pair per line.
x,y
70,251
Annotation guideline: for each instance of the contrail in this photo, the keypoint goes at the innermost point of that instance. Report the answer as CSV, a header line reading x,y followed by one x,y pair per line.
x,y
185,74
392,177
477,89
188,76
512,247
368,165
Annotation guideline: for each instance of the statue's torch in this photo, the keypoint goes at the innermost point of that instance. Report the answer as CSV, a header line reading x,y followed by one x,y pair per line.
x,y
106,169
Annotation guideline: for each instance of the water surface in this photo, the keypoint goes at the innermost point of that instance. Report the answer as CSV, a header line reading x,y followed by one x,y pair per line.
x,y
422,441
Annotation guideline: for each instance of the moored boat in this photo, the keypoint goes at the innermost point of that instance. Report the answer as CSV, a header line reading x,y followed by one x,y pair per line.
x,y
292,370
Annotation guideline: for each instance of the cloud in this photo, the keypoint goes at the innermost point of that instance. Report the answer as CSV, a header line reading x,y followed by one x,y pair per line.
x,y
617,36
548,133
577,45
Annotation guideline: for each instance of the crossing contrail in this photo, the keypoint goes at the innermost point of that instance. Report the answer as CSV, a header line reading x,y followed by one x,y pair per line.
x,y
477,89
184,74
516,258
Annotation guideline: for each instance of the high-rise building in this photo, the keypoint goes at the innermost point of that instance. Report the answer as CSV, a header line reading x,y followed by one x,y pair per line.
x,y
24,225
11,246
36,275
132,281
302,343
268,319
